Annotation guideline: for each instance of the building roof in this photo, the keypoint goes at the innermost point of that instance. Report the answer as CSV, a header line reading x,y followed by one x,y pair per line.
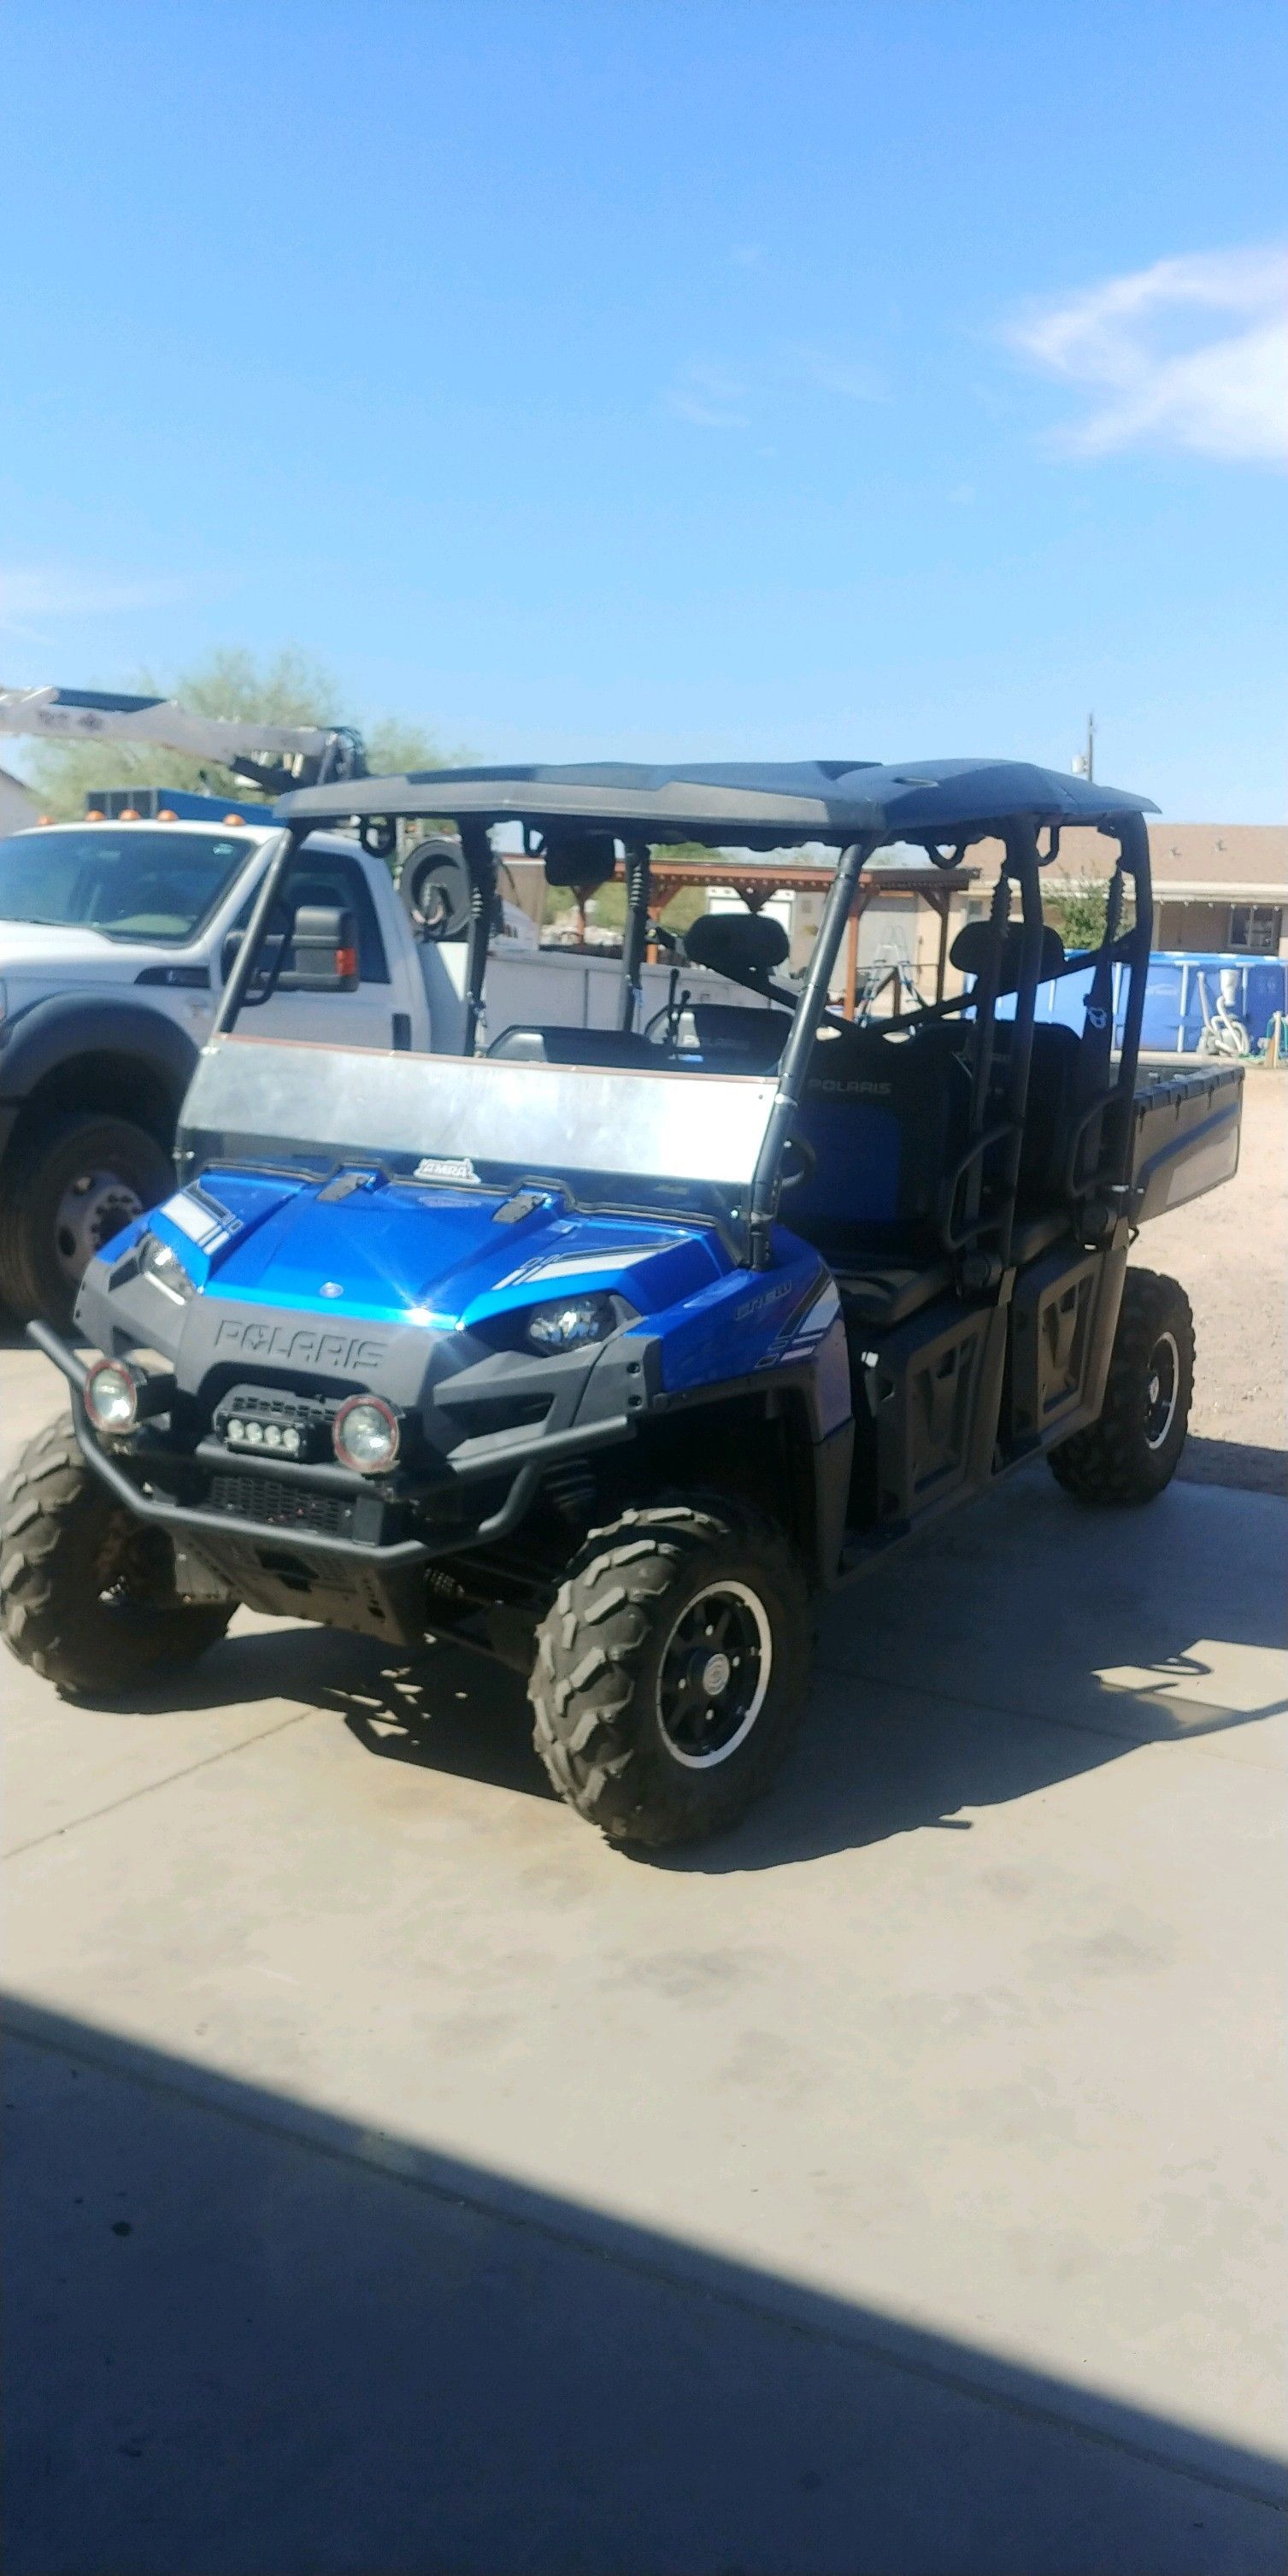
x,y
1190,862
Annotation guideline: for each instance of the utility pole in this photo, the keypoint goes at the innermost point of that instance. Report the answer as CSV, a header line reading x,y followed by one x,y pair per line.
x,y
1084,762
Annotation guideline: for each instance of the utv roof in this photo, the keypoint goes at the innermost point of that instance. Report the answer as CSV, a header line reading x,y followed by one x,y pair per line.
x,y
757,804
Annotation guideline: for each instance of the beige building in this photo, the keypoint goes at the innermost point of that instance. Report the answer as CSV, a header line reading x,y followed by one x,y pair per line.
x,y
18,808
1216,885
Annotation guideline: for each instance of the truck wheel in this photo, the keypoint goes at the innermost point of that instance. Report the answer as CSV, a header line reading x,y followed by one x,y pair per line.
x,y
1132,1451
65,1189
672,1670
87,1592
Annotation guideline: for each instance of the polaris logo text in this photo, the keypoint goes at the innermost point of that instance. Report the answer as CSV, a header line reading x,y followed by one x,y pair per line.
x,y
301,1346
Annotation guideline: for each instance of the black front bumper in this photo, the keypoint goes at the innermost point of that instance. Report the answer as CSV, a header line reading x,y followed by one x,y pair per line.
x,y
141,1474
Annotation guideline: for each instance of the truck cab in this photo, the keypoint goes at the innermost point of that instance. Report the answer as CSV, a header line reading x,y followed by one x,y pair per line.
x,y
116,936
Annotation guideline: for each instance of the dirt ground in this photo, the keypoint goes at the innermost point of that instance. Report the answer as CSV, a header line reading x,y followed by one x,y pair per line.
x,y
1230,1253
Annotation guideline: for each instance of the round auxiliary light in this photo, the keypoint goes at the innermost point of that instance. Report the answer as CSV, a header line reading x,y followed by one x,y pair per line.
x,y
365,1435
111,1396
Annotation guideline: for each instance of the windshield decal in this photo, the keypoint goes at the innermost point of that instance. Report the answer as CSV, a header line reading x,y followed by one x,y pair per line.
x,y
446,1167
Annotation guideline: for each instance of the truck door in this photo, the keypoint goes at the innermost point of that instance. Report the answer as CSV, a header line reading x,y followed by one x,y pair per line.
x,y
363,1018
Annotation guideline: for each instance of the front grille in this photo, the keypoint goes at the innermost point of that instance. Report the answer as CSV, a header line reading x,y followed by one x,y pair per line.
x,y
266,1498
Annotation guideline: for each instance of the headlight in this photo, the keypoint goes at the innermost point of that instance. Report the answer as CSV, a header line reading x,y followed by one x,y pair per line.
x,y
365,1435
248,1432
570,1322
164,1268
112,1396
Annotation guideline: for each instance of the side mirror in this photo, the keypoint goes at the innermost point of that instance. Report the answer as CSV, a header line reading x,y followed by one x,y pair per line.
x,y
323,951
320,955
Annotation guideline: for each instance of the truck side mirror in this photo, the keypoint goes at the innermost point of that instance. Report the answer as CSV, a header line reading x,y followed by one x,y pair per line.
x,y
318,955
323,951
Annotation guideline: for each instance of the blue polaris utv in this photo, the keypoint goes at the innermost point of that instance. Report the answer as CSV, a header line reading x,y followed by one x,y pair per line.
x,y
606,1350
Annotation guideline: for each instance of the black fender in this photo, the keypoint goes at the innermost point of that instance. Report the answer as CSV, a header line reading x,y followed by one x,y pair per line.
x,y
803,1410
52,1035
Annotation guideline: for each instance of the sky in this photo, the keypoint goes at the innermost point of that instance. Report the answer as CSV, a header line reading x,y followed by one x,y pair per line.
x,y
664,378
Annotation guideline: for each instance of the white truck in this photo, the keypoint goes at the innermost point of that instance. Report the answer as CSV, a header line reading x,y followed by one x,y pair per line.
x,y
116,937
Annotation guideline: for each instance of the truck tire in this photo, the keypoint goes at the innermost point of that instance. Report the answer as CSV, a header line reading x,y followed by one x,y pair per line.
x,y
672,1669
67,1185
87,1592
1131,1453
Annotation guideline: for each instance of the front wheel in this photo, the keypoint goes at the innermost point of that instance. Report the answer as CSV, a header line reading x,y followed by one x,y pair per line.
x,y
1131,1453
68,1185
672,1670
87,1590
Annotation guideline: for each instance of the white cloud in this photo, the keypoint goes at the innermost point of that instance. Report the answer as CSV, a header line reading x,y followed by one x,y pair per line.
x,y
31,595
1191,353
707,399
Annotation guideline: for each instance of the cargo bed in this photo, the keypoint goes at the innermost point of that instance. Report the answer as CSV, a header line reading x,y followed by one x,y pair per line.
x,y
1185,1134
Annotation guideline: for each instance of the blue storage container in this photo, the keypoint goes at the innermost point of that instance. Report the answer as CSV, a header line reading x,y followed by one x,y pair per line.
x,y
1174,992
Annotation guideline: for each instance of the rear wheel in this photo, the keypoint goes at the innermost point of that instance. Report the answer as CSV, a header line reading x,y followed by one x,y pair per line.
x,y
672,1670
87,1590
1131,1453
66,1188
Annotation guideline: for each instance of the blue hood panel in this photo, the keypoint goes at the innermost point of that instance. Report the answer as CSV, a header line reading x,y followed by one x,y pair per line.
x,y
392,1252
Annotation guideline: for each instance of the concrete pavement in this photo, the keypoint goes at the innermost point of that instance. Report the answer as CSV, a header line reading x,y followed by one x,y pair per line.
x,y
419,2184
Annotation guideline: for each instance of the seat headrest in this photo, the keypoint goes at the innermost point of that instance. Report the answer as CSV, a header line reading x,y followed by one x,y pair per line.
x,y
971,948
736,944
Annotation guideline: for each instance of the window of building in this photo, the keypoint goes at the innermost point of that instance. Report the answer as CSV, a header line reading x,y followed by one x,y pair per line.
x,y
1255,926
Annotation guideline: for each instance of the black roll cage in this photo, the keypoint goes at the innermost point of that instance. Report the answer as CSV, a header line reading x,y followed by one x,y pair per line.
x,y
1103,1116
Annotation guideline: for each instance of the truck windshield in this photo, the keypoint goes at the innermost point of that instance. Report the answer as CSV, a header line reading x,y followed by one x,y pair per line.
x,y
133,884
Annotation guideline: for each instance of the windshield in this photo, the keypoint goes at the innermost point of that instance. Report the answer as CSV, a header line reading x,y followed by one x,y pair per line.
x,y
669,1140
134,883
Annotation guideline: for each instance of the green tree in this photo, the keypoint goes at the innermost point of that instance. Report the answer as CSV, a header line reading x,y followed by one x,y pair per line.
x,y
1078,908
288,689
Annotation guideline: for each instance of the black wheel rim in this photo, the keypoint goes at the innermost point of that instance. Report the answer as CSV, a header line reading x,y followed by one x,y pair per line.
x,y
94,1206
1162,1388
714,1675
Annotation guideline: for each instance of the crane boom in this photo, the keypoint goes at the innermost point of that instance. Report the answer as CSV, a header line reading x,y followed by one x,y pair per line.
x,y
273,757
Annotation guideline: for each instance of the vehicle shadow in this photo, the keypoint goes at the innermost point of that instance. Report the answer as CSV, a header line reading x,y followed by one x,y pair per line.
x,y
1252,1468
1015,1648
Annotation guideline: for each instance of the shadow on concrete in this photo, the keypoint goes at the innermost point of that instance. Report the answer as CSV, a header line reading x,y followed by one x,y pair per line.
x,y
1238,1463
1010,1650
248,2339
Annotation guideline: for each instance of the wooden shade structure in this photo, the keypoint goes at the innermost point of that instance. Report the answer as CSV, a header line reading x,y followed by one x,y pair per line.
x,y
756,885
